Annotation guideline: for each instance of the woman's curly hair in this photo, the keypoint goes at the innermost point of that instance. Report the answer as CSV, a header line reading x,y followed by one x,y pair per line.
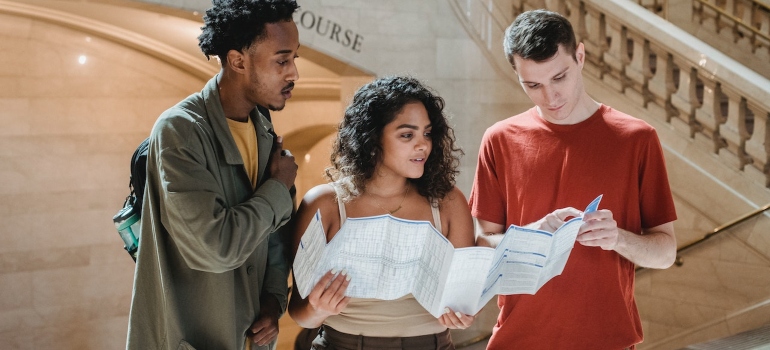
x,y
237,24
358,147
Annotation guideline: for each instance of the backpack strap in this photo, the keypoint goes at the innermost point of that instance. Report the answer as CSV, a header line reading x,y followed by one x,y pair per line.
x,y
139,172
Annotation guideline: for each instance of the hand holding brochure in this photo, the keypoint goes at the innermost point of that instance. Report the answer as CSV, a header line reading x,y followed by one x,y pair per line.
x,y
388,257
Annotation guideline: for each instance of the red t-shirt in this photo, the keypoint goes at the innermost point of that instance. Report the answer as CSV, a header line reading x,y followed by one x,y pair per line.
x,y
528,168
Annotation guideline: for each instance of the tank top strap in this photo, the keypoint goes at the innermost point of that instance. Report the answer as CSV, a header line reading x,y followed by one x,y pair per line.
x,y
436,216
340,203
434,208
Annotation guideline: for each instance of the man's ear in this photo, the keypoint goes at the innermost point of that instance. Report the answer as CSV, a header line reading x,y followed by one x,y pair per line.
x,y
236,61
580,54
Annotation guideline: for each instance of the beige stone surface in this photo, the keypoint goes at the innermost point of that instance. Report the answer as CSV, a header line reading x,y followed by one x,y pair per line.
x,y
68,131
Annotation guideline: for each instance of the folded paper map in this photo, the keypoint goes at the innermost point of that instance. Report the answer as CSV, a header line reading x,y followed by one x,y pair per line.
x,y
388,257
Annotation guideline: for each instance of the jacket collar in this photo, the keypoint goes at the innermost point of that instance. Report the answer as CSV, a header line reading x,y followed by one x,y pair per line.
x,y
216,118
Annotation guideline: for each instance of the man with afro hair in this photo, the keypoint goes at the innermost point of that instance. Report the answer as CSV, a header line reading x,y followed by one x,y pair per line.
x,y
211,271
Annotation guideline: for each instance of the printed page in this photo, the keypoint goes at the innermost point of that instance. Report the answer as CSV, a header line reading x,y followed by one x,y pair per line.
x,y
386,258
564,241
378,265
435,261
526,259
465,280
518,262
309,254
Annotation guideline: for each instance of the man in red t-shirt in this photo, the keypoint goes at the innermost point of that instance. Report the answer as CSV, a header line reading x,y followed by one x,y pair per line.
x,y
534,168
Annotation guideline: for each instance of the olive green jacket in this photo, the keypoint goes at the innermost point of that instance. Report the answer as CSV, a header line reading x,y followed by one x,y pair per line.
x,y
209,247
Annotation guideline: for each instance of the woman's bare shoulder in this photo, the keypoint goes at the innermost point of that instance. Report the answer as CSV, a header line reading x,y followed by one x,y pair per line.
x,y
320,193
321,197
456,218
453,201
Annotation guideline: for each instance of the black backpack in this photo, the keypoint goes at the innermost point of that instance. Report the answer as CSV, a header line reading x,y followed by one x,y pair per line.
x,y
128,220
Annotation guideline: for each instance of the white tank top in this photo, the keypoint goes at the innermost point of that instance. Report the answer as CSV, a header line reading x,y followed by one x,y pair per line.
x,y
403,317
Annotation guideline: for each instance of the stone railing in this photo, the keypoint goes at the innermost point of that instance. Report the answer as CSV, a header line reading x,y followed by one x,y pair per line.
x,y
658,7
675,76
745,22
486,21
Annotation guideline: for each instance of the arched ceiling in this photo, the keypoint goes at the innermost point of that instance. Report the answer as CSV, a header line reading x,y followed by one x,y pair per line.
x,y
171,35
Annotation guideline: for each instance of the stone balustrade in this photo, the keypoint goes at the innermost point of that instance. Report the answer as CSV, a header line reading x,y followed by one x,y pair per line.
x,y
675,76
695,87
657,6
744,22
486,21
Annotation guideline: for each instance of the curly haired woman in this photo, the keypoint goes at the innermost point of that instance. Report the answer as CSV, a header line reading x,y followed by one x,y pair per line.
x,y
394,154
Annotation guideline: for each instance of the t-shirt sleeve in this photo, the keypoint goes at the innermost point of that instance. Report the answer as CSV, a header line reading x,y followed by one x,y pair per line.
x,y
656,201
486,200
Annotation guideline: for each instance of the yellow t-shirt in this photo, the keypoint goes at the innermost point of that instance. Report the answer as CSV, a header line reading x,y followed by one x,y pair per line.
x,y
246,139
